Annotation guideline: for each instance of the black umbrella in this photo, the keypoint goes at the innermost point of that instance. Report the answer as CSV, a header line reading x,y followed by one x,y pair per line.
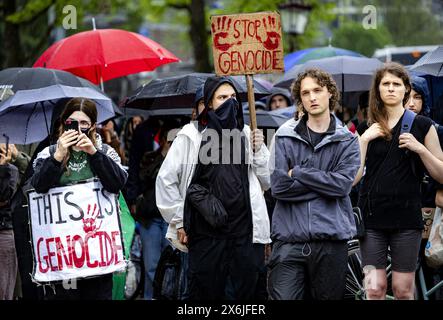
x,y
266,119
36,78
353,75
39,97
131,112
179,92
431,63
350,73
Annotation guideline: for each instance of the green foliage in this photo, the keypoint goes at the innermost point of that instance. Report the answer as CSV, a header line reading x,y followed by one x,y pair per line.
x,y
411,24
408,22
30,11
320,15
246,6
352,36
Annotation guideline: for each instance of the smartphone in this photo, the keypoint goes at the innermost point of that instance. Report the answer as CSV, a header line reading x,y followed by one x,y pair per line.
x,y
71,124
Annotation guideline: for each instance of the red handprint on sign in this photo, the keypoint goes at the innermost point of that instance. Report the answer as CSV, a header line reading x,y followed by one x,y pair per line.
x,y
272,41
89,224
220,32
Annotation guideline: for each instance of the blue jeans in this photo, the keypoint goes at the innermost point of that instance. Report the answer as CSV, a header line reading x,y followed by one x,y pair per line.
x,y
153,243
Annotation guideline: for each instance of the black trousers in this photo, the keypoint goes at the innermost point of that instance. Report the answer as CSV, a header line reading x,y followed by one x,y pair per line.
x,y
312,270
224,269
97,288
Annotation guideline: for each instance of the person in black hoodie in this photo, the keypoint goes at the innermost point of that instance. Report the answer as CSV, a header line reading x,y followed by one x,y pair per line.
x,y
79,155
152,226
224,261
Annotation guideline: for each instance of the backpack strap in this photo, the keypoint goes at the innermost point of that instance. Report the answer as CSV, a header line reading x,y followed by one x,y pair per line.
x,y
406,122
406,125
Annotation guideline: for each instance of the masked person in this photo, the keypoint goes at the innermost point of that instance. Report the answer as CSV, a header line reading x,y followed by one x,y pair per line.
x,y
213,204
79,155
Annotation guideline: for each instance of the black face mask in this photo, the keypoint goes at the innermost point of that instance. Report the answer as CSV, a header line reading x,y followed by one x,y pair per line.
x,y
225,117
85,130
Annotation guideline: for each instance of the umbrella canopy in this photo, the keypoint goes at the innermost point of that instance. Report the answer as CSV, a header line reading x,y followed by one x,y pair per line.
x,y
104,54
26,116
266,119
288,112
350,73
431,63
179,91
302,56
131,112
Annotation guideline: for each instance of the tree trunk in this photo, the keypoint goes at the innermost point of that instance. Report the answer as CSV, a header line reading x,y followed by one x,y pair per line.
x,y
11,35
199,36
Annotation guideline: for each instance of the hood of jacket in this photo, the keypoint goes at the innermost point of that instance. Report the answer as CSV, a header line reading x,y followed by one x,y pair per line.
x,y
275,91
210,86
295,129
421,86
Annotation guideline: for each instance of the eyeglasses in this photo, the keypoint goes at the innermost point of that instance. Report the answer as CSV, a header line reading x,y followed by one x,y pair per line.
x,y
83,123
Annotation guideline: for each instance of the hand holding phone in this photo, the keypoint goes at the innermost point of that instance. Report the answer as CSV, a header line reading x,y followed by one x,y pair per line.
x,y
67,139
4,157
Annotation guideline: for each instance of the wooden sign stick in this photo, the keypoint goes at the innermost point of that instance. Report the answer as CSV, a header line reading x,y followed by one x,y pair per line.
x,y
251,101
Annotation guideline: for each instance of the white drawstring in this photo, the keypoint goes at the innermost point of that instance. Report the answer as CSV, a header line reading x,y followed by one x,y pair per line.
x,y
303,250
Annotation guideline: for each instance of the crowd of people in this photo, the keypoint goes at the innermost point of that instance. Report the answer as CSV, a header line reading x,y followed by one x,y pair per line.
x,y
251,221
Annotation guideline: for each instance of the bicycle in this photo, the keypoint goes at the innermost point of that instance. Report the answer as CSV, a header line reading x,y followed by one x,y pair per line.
x,y
354,289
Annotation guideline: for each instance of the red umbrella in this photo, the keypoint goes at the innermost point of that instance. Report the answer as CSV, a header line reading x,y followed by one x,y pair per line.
x,y
104,54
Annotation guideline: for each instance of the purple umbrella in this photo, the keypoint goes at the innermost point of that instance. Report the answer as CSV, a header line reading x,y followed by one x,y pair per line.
x,y
302,56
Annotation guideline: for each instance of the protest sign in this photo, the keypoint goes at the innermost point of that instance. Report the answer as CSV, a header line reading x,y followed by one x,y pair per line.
x,y
75,232
247,43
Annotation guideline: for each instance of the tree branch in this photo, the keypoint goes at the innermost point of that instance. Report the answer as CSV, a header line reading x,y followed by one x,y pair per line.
x,y
180,6
30,13
30,58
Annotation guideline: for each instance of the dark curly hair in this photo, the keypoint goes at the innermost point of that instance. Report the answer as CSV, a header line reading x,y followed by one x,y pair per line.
x,y
323,79
377,110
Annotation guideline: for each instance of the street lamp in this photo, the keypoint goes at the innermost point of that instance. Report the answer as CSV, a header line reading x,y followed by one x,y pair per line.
x,y
294,17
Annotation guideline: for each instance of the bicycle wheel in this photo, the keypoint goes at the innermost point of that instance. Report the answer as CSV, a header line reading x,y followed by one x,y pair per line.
x,y
354,289
354,278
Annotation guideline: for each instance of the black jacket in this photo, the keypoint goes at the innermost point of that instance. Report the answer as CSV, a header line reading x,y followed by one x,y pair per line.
x,y
104,164
8,184
146,203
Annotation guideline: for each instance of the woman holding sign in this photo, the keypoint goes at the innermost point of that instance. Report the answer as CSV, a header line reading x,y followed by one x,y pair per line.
x,y
79,155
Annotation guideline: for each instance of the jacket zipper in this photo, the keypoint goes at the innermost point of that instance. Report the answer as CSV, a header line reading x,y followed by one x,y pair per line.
x,y
309,219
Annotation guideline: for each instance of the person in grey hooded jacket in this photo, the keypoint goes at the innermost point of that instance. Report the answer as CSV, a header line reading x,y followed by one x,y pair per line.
x,y
313,164
278,99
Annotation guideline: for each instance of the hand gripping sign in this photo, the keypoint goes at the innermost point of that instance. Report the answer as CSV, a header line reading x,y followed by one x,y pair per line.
x,y
75,232
247,44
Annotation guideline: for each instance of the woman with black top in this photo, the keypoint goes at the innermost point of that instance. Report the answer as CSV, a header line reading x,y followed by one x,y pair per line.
x,y
390,194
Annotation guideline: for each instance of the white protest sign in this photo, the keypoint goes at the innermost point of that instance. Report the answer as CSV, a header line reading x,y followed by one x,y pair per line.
x,y
75,232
